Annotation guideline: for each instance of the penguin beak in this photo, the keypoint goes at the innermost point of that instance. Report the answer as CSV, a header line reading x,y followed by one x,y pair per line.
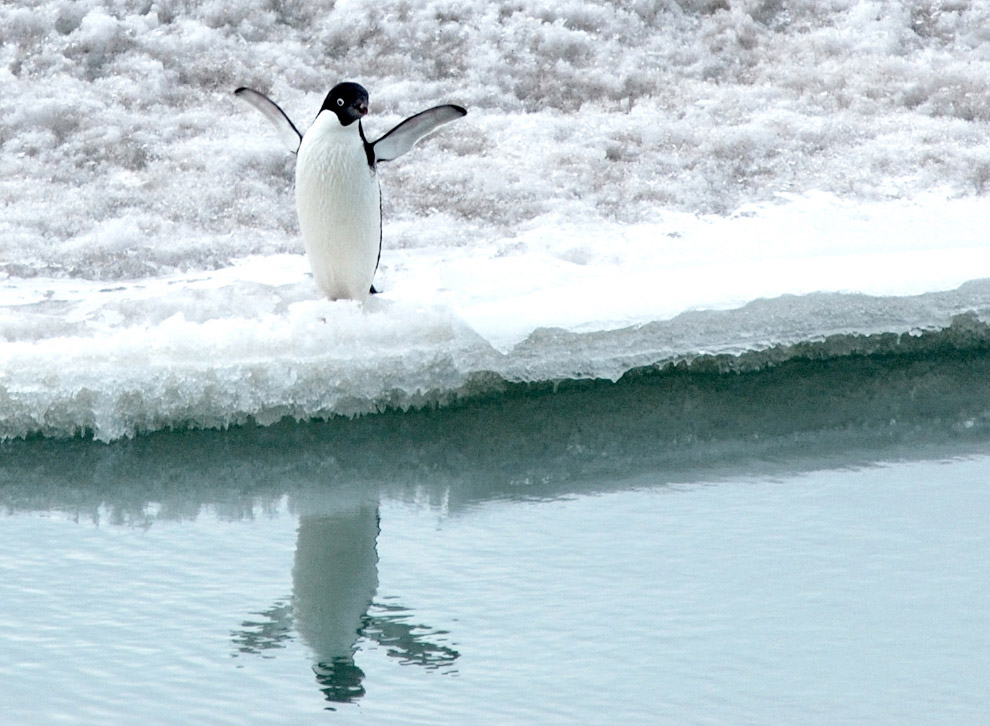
x,y
362,108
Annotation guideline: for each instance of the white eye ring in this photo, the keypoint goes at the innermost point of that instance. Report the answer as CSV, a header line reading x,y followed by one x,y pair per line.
x,y
340,102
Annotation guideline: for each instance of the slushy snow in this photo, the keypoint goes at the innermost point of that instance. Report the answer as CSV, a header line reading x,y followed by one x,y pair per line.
x,y
791,170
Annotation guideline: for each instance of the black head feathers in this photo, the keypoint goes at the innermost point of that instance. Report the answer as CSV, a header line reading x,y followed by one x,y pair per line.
x,y
348,100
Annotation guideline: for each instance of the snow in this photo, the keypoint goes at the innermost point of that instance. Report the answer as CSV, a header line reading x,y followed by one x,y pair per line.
x,y
787,171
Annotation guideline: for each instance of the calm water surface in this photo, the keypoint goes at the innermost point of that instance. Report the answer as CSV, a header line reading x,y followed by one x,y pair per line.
x,y
345,572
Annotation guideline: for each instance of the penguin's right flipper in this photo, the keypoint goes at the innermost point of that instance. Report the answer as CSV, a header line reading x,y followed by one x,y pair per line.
x,y
402,138
286,130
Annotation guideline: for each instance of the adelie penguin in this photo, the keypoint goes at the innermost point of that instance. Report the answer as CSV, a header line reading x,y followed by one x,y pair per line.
x,y
338,197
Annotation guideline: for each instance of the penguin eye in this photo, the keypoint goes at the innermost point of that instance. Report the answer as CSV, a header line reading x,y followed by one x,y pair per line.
x,y
340,102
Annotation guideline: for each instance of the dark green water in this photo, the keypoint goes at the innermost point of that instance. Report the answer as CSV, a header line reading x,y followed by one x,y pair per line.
x,y
544,440
801,543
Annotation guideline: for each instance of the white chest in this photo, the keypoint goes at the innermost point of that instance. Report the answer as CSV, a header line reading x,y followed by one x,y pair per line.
x,y
338,201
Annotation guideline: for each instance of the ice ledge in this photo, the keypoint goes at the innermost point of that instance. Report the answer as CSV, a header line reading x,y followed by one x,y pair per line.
x,y
208,375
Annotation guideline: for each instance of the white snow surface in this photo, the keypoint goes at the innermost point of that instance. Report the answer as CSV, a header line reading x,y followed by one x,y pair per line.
x,y
635,183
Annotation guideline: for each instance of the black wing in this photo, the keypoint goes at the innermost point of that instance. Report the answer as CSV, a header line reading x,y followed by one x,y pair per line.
x,y
286,130
402,138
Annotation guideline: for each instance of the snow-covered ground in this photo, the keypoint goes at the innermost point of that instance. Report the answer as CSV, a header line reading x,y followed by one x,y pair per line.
x,y
636,182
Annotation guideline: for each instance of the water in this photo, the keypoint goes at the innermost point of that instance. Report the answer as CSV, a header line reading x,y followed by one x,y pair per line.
x,y
675,548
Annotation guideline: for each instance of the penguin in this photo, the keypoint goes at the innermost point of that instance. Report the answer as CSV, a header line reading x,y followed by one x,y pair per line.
x,y
338,195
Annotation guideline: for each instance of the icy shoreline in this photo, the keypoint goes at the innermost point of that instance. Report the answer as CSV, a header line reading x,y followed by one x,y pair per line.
x,y
76,386
253,341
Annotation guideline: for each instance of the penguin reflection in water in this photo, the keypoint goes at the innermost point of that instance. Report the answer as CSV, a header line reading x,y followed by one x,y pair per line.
x,y
335,608
338,197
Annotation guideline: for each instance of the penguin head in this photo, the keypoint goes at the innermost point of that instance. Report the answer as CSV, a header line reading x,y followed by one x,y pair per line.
x,y
348,100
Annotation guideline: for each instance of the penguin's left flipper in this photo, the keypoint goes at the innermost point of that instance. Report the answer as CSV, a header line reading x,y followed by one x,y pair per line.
x,y
404,136
374,291
286,130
